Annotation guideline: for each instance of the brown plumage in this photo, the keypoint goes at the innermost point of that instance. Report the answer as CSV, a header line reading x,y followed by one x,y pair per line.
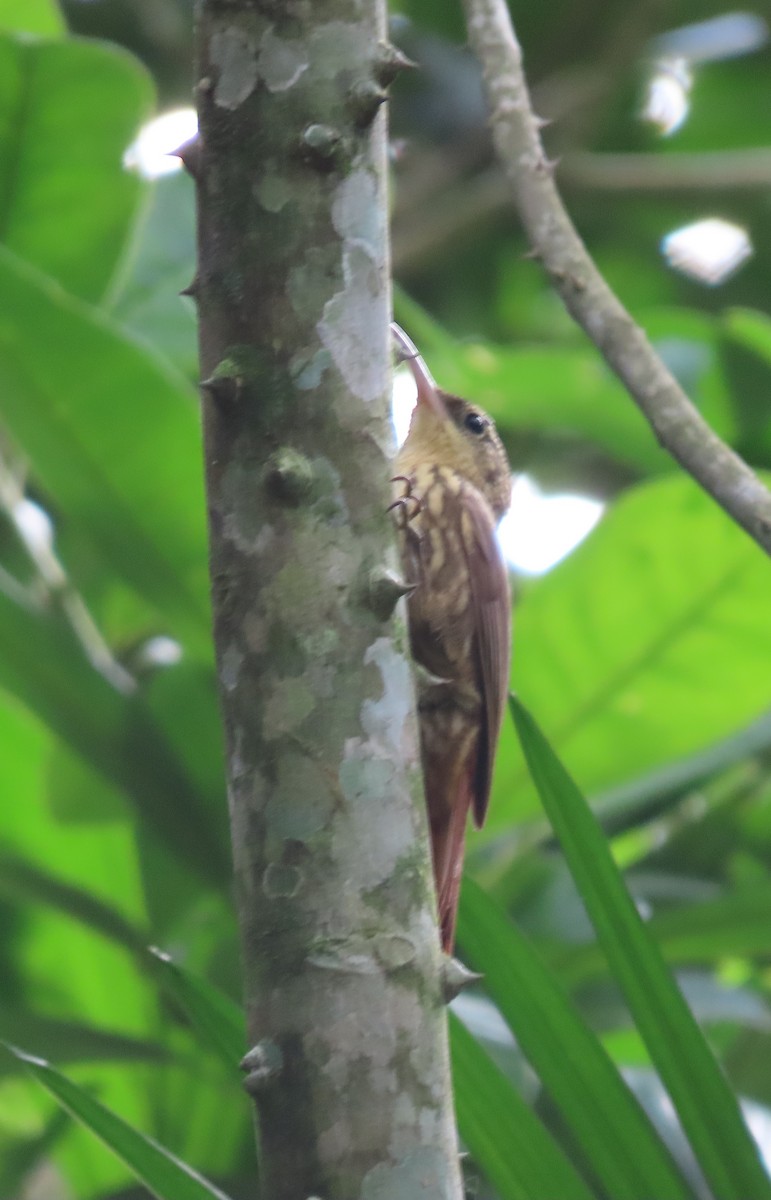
x,y
452,484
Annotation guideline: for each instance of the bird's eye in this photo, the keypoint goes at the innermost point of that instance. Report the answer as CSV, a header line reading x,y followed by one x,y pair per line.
x,y
475,423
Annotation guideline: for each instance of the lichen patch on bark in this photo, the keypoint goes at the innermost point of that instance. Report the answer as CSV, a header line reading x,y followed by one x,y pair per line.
x,y
234,55
282,61
387,720
356,214
301,802
349,316
273,191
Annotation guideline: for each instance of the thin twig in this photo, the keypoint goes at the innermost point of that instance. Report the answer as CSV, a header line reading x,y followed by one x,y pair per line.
x,y
676,423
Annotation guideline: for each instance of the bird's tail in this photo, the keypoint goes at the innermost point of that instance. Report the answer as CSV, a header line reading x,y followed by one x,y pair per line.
x,y
449,795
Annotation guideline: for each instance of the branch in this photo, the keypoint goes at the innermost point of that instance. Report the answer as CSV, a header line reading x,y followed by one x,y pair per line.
x,y
676,423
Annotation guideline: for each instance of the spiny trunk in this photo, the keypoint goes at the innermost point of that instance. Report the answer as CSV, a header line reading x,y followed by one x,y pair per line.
x,y
341,956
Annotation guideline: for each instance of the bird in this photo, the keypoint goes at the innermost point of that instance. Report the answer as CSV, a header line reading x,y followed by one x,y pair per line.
x,y
451,485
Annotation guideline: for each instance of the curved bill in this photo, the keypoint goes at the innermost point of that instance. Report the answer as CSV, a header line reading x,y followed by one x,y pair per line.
x,y
407,351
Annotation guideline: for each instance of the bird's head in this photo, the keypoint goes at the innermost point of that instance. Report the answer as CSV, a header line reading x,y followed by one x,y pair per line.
x,y
452,432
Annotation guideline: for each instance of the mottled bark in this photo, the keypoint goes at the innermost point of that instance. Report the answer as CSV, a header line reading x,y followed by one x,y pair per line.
x,y
341,956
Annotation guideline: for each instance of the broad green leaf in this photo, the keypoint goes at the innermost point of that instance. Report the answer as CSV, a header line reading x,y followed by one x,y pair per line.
x,y
68,110
646,645
41,17
617,1141
163,1174
217,1018
505,1137
43,666
113,436
708,1110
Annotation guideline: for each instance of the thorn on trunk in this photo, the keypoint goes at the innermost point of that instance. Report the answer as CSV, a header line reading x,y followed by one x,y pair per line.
x,y
389,62
262,1064
223,387
365,99
191,289
384,591
190,152
289,476
456,977
322,146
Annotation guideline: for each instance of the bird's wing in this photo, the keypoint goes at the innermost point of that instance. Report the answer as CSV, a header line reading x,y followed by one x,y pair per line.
x,y
491,603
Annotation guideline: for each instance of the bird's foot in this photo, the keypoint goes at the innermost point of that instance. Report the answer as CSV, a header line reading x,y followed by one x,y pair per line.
x,y
407,506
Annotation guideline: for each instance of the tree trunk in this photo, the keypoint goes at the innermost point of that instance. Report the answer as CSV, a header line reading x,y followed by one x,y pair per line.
x,y
341,956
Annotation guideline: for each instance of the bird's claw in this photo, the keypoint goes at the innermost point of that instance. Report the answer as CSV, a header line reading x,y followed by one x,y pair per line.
x,y
401,505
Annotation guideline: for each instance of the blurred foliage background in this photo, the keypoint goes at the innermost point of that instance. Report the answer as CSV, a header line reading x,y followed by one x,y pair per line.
x,y
645,654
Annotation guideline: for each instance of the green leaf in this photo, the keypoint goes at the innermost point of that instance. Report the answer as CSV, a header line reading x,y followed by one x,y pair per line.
x,y
72,1041
68,110
505,1137
634,802
163,1174
216,1017
708,1110
647,644
618,1142
24,883
732,925
113,435
750,329
41,17
149,302
183,702
747,359
27,1154
43,665
688,342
